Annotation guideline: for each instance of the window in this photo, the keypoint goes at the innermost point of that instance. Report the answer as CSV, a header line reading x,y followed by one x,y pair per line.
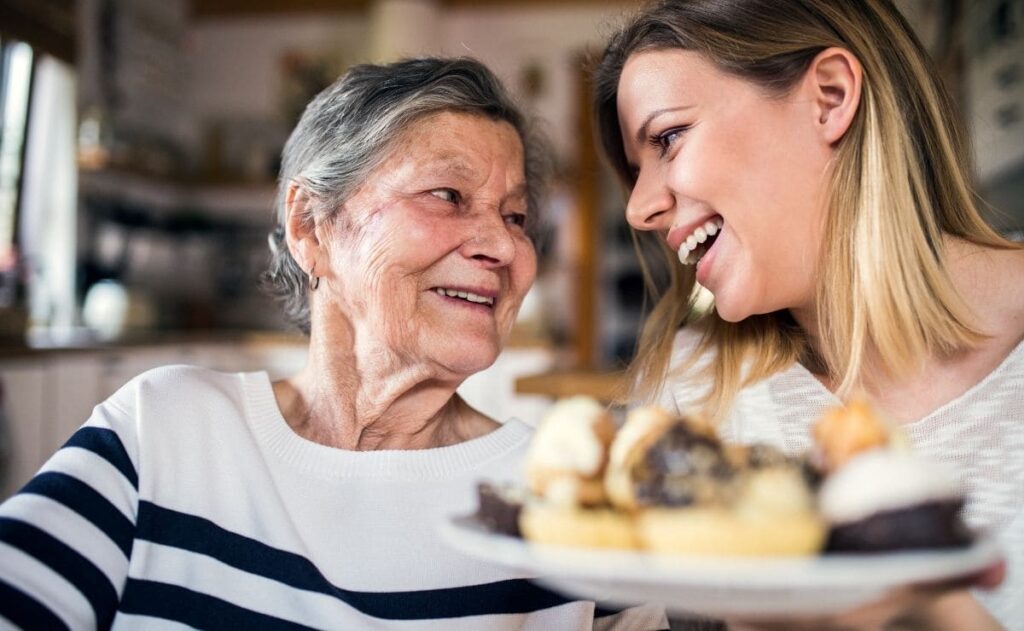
x,y
15,89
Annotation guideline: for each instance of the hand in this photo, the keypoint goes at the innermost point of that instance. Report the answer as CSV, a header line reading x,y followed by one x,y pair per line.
x,y
932,606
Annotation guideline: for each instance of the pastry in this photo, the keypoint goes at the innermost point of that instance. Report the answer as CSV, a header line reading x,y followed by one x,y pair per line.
x,y
692,495
885,500
668,484
589,527
878,496
499,507
566,460
845,431
565,468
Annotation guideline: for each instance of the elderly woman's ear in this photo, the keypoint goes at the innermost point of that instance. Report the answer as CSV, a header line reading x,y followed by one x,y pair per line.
x,y
300,229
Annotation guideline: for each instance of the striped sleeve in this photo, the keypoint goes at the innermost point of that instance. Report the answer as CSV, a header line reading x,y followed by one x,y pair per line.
x,y
66,537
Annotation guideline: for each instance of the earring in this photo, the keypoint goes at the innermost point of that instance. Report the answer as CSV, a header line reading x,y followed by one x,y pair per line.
x,y
314,281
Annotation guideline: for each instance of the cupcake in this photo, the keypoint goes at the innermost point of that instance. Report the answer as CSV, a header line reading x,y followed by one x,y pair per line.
x,y
565,470
877,495
692,495
886,500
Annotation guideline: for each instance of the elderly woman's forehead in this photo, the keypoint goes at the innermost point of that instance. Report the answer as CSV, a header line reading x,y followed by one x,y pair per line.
x,y
432,140
429,123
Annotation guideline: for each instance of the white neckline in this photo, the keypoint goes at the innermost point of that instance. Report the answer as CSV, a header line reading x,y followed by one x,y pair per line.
x,y
275,435
966,394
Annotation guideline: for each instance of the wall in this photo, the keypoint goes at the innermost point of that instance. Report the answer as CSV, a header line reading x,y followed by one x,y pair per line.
x,y
235,65
510,39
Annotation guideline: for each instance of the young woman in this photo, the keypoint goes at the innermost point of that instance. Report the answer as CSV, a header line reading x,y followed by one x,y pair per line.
x,y
802,161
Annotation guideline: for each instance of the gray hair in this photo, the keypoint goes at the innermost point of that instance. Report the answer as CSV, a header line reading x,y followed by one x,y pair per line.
x,y
347,130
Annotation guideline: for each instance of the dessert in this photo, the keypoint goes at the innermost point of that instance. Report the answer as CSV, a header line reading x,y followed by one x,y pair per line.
x,y
878,496
668,484
568,454
885,500
692,495
499,507
843,432
565,469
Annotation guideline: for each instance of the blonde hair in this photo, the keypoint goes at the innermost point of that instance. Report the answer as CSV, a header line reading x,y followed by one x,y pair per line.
x,y
900,183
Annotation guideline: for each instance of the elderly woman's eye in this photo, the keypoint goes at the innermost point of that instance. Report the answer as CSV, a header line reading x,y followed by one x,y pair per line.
x,y
447,194
518,219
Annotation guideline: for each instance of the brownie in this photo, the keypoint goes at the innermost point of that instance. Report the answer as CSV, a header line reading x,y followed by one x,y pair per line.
x,y
498,509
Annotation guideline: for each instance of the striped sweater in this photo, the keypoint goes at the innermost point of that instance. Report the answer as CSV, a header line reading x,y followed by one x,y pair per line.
x,y
186,500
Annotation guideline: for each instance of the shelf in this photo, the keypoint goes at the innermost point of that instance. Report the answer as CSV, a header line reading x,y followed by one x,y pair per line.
x,y
604,386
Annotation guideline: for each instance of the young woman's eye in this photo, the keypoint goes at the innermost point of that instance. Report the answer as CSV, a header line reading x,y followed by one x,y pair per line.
x,y
447,194
664,141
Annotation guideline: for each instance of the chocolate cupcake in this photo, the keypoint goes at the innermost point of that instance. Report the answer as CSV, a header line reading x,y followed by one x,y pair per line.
x,y
885,500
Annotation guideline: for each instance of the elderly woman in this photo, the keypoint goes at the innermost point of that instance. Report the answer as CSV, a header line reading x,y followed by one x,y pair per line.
x,y
404,248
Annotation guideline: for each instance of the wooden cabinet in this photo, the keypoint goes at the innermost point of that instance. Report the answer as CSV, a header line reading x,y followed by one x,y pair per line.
x,y
23,427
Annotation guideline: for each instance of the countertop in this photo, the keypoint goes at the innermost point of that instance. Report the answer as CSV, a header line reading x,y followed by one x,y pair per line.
x,y
84,340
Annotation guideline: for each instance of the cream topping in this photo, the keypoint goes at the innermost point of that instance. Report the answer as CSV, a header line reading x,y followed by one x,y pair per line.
x,y
566,439
641,422
880,480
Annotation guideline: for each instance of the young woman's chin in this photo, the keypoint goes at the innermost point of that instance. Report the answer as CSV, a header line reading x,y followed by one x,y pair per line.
x,y
732,308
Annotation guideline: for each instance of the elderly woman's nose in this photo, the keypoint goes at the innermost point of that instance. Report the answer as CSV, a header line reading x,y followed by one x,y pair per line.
x,y
490,240
650,203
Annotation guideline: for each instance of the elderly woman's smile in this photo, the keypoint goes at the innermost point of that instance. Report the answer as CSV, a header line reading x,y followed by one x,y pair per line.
x,y
430,257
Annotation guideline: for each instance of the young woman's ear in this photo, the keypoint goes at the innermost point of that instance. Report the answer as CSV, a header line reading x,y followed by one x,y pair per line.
x,y
834,80
300,228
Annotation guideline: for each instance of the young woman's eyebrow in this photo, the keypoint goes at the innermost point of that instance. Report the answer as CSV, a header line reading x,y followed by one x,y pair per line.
x,y
641,134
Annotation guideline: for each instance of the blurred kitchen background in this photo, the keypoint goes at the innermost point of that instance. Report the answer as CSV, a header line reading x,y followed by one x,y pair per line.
x,y
139,144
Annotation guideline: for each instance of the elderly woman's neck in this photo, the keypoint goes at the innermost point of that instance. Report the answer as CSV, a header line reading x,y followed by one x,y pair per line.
x,y
343,403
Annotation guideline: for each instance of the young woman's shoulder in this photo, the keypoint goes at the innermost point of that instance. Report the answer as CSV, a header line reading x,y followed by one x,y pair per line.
x,y
991,282
1005,305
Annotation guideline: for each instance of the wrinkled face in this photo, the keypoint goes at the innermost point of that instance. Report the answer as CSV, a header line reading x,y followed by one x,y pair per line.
x,y
733,178
429,258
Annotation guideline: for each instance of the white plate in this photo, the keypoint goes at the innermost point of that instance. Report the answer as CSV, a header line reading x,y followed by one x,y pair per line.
x,y
718,586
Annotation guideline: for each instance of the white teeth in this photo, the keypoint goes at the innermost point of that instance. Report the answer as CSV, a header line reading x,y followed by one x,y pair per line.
x,y
465,295
710,228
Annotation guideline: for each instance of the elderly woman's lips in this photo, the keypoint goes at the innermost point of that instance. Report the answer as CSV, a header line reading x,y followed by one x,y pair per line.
x,y
471,297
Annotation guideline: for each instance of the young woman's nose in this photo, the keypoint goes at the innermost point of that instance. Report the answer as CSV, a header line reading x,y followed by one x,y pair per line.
x,y
651,203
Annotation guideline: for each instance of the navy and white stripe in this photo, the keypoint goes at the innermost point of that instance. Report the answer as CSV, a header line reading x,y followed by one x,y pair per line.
x,y
116,531
66,537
